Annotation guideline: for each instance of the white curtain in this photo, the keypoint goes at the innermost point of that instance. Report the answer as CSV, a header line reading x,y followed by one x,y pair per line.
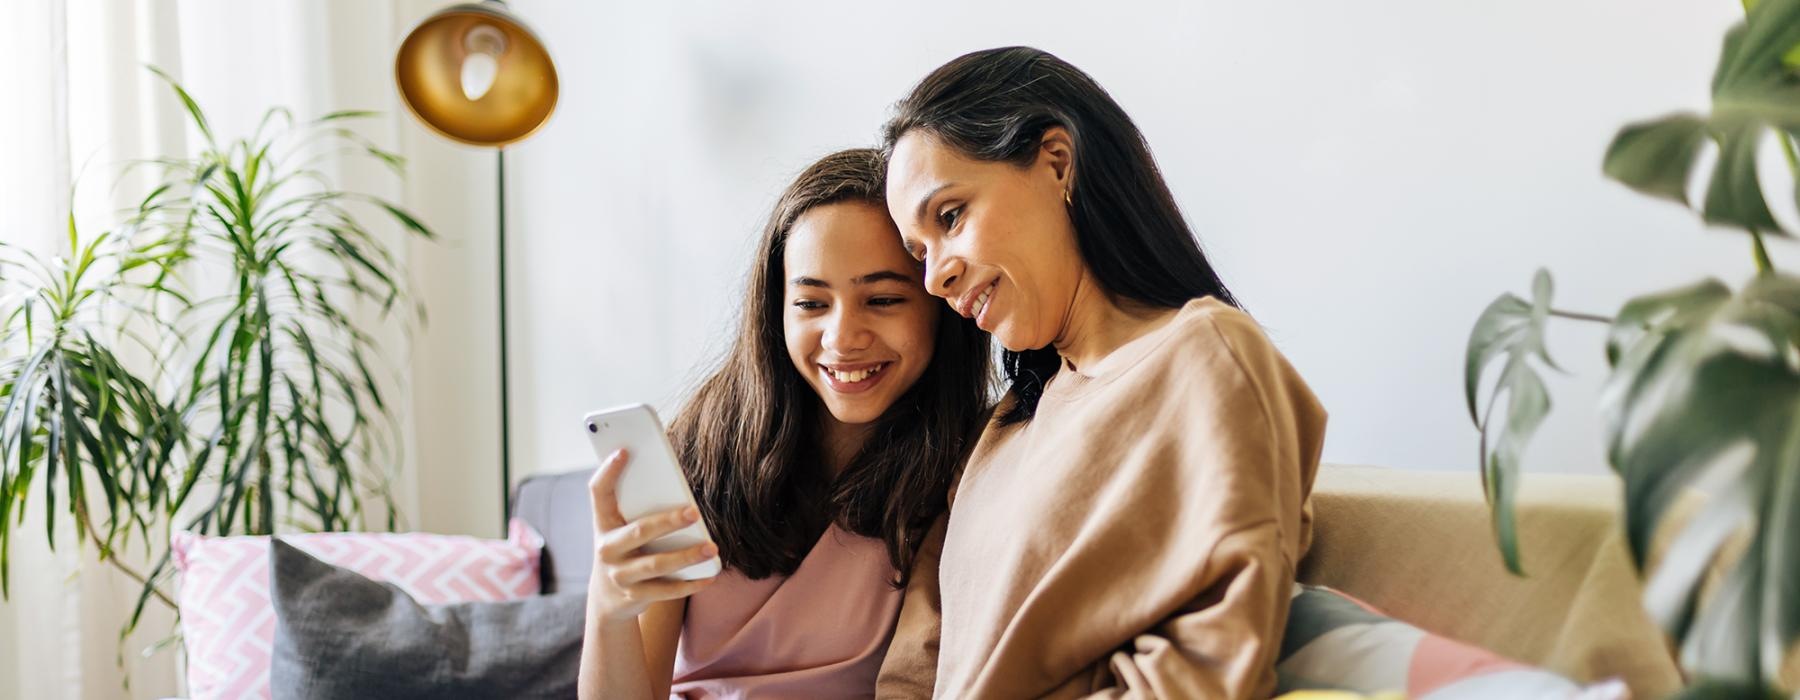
x,y
81,104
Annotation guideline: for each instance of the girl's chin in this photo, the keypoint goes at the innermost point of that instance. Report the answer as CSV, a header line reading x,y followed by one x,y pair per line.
x,y
855,409
855,415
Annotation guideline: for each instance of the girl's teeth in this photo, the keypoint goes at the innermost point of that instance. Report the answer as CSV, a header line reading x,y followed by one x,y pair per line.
x,y
853,377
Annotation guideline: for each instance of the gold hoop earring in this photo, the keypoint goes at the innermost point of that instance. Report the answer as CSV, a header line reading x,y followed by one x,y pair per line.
x,y
1067,199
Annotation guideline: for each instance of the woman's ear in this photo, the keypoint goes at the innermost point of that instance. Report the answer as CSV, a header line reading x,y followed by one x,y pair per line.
x,y
1056,149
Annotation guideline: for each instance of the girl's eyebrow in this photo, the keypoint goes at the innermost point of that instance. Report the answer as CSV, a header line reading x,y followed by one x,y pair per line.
x,y
884,276
871,278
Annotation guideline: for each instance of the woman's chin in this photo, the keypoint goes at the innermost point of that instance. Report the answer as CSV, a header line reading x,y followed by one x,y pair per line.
x,y
1012,339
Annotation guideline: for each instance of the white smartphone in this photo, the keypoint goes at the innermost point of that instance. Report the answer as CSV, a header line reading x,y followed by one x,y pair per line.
x,y
653,481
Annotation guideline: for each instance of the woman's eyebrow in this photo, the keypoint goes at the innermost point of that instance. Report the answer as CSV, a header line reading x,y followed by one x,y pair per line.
x,y
925,201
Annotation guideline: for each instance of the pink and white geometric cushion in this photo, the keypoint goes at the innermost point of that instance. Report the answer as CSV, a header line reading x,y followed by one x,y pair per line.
x,y
228,623
1338,642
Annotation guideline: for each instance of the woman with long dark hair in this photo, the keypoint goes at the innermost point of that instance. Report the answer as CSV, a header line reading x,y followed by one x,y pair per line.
x,y
819,451
1129,522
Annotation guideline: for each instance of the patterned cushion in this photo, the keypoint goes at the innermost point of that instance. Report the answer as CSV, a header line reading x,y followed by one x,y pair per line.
x,y
1337,642
228,622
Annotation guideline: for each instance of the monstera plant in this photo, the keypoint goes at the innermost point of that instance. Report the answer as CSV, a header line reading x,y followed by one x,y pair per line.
x,y
1704,384
205,361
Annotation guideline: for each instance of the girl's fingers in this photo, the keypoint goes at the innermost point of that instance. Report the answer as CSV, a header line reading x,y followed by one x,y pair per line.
x,y
661,589
654,566
604,490
619,543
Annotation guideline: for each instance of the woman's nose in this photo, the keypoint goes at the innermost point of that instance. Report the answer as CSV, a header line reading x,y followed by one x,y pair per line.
x,y
941,275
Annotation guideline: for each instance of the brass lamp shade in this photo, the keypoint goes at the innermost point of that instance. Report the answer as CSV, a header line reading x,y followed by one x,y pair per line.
x,y
432,76
474,73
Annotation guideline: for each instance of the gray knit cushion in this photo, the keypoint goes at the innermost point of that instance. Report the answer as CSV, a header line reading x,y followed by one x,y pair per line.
x,y
340,635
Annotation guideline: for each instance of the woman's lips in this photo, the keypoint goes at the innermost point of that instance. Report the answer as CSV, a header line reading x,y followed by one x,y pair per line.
x,y
970,305
981,311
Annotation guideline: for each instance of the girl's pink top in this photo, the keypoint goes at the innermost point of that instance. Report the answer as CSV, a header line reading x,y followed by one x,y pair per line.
x,y
821,632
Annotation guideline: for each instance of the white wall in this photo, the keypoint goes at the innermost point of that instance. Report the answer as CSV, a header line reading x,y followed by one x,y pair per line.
x,y
1366,175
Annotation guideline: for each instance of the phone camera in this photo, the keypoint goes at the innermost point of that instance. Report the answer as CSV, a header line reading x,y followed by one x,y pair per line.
x,y
593,428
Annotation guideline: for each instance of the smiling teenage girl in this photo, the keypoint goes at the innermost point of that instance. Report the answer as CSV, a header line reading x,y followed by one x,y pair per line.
x,y
819,453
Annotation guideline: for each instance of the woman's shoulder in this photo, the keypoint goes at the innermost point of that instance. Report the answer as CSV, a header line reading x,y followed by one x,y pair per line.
x,y
1207,328
1217,353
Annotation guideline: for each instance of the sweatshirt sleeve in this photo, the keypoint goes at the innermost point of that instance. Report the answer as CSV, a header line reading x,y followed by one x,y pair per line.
x,y
910,668
1224,643
1246,468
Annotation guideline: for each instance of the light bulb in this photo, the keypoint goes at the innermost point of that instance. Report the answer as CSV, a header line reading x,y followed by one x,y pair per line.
x,y
481,64
478,71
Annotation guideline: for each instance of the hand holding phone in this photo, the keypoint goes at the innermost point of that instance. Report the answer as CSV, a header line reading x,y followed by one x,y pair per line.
x,y
627,577
650,541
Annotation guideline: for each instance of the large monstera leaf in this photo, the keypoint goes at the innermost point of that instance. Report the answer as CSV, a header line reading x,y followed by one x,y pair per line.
x,y
1707,383
1755,95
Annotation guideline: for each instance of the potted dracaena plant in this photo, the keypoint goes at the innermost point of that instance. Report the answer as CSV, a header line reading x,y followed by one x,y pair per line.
x,y
205,360
1704,380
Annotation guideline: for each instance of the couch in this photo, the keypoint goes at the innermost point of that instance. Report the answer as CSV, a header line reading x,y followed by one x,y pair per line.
x,y
1416,544
1420,546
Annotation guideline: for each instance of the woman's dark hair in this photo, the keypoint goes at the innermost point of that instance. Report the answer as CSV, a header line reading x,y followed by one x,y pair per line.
x,y
749,437
995,105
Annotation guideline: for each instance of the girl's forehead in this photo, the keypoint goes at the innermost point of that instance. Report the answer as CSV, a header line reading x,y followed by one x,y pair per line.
x,y
848,243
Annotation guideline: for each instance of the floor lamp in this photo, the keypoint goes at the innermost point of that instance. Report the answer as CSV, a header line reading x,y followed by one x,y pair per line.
x,y
475,74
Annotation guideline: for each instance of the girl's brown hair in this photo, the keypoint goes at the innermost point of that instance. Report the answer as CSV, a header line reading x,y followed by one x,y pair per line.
x,y
749,438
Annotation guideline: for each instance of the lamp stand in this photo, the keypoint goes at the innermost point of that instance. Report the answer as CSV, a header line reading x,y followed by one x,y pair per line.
x,y
505,380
